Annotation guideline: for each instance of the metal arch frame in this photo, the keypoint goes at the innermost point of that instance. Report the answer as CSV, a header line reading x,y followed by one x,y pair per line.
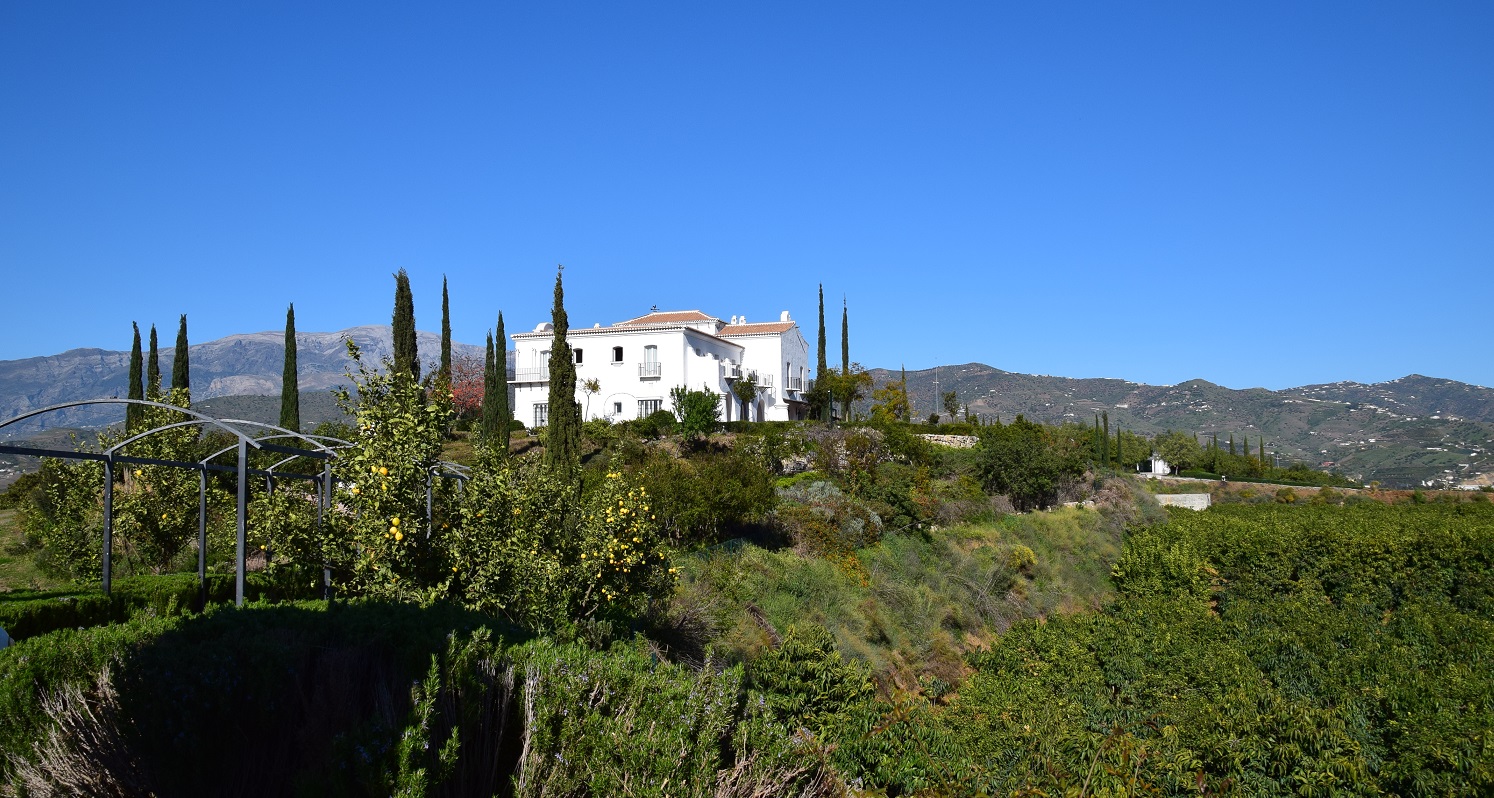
x,y
112,455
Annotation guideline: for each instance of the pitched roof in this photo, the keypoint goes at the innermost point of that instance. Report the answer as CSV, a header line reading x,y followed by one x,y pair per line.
x,y
667,317
757,328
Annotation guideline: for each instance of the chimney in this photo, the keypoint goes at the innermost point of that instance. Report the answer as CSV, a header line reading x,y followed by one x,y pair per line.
x,y
733,319
784,316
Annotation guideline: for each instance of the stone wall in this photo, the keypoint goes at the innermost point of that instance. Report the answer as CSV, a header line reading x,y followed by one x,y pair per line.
x,y
953,441
1192,501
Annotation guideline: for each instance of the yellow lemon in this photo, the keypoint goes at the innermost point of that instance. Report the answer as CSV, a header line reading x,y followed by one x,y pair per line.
x,y
399,536
137,472
373,469
356,491
453,569
394,521
393,529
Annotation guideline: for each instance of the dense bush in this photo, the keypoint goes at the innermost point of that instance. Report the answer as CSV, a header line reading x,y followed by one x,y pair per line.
x,y
1028,462
708,495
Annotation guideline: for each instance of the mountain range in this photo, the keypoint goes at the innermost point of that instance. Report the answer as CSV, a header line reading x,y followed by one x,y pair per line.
x,y
1411,431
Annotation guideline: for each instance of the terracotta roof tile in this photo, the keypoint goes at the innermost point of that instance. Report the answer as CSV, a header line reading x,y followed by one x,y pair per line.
x,y
667,317
757,328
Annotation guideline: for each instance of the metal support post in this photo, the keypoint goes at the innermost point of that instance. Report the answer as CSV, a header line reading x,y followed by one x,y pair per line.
x,y
108,520
202,535
243,509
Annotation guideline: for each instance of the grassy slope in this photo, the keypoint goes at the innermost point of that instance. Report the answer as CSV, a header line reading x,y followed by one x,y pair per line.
x,y
912,605
17,566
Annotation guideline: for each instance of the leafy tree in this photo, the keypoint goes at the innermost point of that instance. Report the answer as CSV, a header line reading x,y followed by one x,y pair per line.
x,y
137,382
153,368
406,353
290,380
445,333
563,438
1231,443
469,383
745,390
380,542
890,403
697,411
181,375
530,547
1026,461
951,402
590,387
1179,449
155,511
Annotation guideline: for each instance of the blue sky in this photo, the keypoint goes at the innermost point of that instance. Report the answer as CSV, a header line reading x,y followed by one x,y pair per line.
x,y
1256,194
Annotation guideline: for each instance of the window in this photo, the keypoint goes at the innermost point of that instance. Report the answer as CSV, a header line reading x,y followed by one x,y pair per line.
x,y
617,354
648,407
617,408
578,357
541,414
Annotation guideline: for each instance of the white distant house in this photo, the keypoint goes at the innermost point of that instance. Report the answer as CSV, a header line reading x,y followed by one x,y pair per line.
x,y
639,361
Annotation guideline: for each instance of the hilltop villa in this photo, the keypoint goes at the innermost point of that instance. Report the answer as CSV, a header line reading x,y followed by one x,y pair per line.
x,y
637,362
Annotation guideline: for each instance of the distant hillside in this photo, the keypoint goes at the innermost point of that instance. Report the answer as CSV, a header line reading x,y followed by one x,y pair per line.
x,y
1403,432
237,365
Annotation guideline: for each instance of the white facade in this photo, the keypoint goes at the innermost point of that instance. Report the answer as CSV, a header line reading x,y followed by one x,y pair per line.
x,y
638,362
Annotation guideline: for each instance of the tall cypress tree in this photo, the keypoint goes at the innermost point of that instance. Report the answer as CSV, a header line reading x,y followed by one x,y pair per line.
x,y
500,373
1245,446
1120,455
489,395
1262,442
1099,447
153,368
845,358
563,438
134,413
181,373
1105,439
820,383
1231,444
290,381
406,356
445,334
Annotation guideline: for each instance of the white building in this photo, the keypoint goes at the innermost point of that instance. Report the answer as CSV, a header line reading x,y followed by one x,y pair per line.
x,y
639,361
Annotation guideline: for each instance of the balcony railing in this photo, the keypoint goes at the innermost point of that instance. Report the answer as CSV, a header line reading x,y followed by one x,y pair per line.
x,y
795,384
648,371
540,374
731,371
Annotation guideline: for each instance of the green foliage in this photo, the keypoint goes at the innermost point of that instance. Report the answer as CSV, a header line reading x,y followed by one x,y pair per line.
x,y
406,352
1026,461
563,433
290,385
745,390
531,549
380,543
807,683
702,498
136,381
155,510
181,372
698,411
656,424
1179,449
153,367
445,364
64,516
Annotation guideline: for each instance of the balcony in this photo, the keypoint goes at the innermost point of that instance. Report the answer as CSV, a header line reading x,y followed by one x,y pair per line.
x,y
648,371
731,371
538,374
795,384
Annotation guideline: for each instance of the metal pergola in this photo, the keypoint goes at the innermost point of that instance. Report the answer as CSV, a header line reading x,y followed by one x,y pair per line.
x,y
323,448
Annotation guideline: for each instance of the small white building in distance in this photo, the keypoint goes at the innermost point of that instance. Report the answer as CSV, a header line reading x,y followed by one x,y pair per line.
x,y
639,361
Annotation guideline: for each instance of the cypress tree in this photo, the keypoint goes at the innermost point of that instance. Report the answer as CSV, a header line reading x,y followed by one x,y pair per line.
x,y
1216,441
821,367
1262,442
1245,446
1119,453
1232,444
445,334
489,395
406,355
134,413
845,357
563,438
1099,445
290,381
500,374
1105,439
181,374
153,368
